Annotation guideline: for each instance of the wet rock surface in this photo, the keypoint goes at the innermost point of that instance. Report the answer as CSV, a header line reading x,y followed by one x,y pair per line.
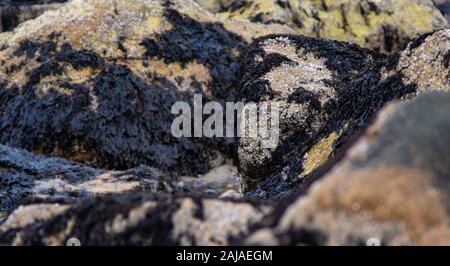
x,y
392,184
327,91
384,26
95,81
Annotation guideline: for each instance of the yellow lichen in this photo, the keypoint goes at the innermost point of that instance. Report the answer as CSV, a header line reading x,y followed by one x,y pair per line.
x,y
319,153
345,20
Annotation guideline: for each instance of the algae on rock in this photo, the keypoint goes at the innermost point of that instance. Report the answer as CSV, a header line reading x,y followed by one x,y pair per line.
x,y
327,91
392,184
94,81
384,26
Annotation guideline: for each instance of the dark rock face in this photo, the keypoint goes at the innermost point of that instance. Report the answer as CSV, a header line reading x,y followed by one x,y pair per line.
x,y
328,91
66,92
393,184
134,220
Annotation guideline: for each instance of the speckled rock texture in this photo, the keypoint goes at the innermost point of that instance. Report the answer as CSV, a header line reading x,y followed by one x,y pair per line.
x,y
383,26
94,81
12,13
392,184
27,178
133,220
327,91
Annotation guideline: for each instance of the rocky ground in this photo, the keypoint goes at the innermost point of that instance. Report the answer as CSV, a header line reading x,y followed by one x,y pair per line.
x,y
86,148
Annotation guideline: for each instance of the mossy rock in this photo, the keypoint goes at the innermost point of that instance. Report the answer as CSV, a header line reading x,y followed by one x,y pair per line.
x,y
384,26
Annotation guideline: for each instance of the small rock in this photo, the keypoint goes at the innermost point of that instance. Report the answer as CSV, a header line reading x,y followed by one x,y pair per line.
x,y
231,194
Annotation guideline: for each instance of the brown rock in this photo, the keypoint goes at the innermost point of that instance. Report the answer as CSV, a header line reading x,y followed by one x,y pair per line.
x,y
391,185
136,220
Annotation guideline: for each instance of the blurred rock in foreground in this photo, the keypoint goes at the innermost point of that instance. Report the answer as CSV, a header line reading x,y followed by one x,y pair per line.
x,y
393,184
133,220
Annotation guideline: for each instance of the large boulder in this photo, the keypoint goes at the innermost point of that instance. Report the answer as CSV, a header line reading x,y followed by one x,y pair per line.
x,y
384,26
327,91
94,81
392,185
133,220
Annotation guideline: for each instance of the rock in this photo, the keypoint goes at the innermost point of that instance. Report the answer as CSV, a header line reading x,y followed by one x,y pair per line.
x,y
327,91
135,220
28,178
384,26
95,82
28,215
12,13
231,194
219,179
424,64
392,184
444,7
